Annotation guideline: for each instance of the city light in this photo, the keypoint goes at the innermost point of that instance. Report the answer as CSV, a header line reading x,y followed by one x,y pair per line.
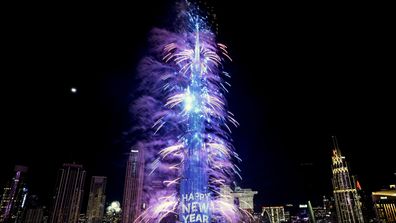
x,y
114,207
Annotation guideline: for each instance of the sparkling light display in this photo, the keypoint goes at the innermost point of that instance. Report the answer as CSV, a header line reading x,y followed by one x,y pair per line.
x,y
182,113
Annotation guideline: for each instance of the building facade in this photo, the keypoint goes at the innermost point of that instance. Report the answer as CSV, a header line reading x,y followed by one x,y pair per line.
x,y
97,199
347,200
35,211
14,196
385,205
244,198
133,186
276,214
34,215
68,194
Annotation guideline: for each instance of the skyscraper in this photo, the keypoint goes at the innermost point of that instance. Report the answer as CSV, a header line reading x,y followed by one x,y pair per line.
x,y
34,215
385,204
347,200
68,193
133,187
14,196
244,198
97,198
34,210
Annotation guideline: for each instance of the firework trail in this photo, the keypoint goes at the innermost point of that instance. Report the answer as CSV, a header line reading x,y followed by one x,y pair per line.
x,y
184,126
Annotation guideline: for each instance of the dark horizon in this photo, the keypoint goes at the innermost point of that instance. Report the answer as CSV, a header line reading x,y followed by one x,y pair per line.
x,y
312,71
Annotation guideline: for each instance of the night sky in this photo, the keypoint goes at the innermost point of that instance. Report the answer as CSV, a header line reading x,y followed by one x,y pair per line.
x,y
301,73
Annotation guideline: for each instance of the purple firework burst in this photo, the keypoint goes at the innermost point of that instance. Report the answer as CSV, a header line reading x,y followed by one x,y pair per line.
x,y
184,127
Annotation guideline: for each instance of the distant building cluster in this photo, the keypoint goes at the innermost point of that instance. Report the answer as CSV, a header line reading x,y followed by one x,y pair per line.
x,y
348,204
14,195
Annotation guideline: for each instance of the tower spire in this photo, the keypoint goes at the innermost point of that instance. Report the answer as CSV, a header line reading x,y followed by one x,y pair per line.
x,y
347,200
335,145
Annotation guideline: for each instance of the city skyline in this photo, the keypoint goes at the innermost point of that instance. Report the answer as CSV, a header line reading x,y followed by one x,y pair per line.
x,y
286,121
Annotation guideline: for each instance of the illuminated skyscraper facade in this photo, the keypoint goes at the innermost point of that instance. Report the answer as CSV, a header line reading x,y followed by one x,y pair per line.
x,y
96,200
385,205
184,123
244,198
347,200
68,193
35,211
276,214
14,196
34,215
133,187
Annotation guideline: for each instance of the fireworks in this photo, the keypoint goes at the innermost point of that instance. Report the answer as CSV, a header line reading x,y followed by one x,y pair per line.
x,y
183,113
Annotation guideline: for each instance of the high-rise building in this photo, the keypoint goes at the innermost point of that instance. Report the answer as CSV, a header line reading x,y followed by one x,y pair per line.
x,y
14,196
367,203
244,198
34,210
347,200
34,215
68,193
96,200
275,213
385,205
133,187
